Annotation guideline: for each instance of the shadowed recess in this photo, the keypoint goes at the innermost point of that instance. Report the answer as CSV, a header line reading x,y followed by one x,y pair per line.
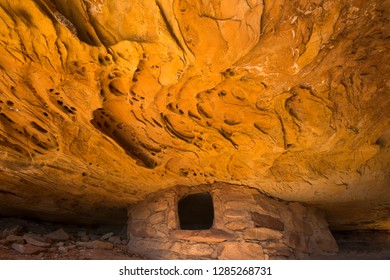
x,y
196,211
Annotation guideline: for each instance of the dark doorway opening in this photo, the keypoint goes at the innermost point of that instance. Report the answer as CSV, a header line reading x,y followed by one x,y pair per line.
x,y
196,211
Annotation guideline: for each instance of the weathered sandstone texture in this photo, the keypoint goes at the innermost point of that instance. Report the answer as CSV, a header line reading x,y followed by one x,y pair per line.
x,y
105,102
247,225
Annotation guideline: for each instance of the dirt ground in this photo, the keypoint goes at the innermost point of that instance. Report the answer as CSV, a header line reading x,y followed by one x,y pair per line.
x,y
108,242
23,239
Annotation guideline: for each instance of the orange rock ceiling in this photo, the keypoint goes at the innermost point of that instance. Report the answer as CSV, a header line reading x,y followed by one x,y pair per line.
x,y
105,102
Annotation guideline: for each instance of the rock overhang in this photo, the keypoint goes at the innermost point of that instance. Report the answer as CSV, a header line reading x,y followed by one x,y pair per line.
x,y
296,107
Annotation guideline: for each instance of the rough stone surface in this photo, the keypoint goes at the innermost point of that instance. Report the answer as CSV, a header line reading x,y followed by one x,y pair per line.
x,y
97,244
116,240
354,245
194,250
13,231
235,214
71,249
157,218
35,240
267,221
15,239
237,225
262,234
102,104
275,250
107,236
240,251
237,234
58,235
299,242
143,229
207,236
27,248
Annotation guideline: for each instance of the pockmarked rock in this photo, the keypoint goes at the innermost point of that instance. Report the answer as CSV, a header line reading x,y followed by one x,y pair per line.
x,y
103,104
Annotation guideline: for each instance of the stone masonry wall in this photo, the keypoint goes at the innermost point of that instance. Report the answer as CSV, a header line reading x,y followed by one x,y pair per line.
x,y
247,225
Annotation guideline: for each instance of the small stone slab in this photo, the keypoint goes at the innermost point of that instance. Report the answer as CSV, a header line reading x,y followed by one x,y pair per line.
x,y
300,242
235,214
58,235
262,234
212,236
27,249
278,249
267,221
33,240
96,244
192,249
107,236
240,251
238,225
157,218
115,240
15,239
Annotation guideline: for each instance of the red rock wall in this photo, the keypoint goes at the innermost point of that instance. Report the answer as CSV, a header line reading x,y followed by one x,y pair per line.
x,y
105,102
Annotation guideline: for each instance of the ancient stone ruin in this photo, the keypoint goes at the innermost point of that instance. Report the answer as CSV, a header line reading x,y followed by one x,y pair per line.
x,y
223,221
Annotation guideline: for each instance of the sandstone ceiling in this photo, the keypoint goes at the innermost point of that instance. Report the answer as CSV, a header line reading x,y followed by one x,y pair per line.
x,y
103,102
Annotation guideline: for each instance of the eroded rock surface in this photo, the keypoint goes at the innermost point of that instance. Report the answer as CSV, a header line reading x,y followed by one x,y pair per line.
x,y
104,102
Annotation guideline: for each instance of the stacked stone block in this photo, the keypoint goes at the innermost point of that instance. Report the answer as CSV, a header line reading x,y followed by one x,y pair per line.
x,y
247,225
